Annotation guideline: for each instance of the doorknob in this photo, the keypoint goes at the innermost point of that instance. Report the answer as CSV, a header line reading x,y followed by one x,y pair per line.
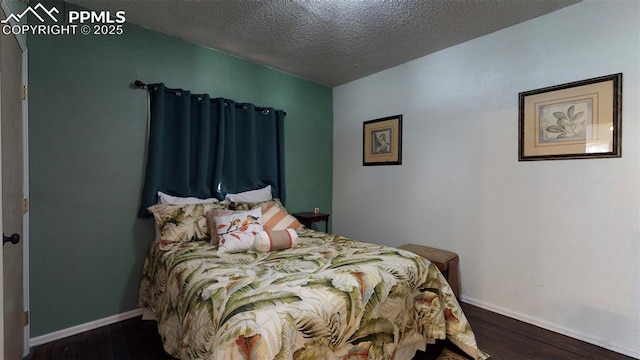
x,y
14,239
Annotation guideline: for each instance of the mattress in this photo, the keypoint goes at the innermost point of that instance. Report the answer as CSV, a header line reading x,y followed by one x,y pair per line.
x,y
330,297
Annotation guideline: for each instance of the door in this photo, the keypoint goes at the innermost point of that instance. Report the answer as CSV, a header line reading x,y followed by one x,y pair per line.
x,y
12,193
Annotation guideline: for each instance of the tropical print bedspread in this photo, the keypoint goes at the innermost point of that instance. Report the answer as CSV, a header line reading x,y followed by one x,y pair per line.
x,y
328,298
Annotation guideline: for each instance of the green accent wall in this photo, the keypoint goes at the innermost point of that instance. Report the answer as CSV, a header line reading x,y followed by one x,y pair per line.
x,y
87,128
16,6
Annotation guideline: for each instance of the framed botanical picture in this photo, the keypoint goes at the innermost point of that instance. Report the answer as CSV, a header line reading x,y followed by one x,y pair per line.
x,y
382,141
578,120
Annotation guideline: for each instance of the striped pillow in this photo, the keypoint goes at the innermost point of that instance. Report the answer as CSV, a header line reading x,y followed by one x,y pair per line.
x,y
266,241
276,218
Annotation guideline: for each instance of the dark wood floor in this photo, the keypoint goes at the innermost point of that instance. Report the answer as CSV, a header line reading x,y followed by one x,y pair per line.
x,y
503,338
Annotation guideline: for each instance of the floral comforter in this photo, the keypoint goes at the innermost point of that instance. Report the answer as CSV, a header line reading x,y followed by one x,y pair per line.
x,y
328,298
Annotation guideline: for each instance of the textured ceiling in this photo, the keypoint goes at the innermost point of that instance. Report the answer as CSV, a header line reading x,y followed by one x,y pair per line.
x,y
330,42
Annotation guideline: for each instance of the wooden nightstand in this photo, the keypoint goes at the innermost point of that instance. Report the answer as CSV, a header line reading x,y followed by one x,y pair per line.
x,y
308,218
446,261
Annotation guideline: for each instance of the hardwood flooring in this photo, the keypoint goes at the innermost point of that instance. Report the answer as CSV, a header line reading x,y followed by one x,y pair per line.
x,y
129,339
505,338
502,337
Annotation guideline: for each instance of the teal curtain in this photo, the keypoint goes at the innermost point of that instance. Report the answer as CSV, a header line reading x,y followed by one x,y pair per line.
x,y
205,147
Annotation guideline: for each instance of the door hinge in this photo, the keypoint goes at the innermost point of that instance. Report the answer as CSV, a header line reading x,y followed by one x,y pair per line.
x,y
24,92
25,318
25,206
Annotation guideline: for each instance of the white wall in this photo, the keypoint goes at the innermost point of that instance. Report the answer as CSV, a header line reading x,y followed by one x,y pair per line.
x,y
554,243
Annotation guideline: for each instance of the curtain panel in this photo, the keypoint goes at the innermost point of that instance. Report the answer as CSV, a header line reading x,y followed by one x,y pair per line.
x,y
205,147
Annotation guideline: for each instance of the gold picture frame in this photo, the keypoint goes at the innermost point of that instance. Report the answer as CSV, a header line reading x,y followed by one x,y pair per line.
x,y
382,141
578,120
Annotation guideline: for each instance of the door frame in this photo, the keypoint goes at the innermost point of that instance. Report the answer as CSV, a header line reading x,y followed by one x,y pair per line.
x,y
25,197
22,43
1,247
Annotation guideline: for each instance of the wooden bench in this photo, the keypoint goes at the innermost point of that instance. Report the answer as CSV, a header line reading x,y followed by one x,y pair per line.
x,y
446,261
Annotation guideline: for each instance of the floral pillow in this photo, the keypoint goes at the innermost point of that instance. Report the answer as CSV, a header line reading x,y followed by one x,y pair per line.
x,y
181,223
237,231
243,206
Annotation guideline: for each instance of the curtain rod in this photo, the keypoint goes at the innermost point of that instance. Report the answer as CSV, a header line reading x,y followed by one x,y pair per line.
x,y
142,85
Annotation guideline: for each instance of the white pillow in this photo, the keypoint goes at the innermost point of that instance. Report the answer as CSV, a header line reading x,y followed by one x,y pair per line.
x,y
258,195
236,242
239,221
175,200
237,231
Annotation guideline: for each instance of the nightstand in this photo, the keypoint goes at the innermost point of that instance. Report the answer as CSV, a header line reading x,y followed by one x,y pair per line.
x,y
308,218
446,261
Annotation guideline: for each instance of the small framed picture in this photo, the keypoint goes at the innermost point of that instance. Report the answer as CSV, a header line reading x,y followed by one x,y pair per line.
x,y
382,141
578,120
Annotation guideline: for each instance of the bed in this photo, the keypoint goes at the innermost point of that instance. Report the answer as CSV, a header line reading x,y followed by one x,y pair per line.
x,y
328,297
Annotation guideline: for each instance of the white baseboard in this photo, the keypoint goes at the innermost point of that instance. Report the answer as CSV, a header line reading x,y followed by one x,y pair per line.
x,y
91,325
607,344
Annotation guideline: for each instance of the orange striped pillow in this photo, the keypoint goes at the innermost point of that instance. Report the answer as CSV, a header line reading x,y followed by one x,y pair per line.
x,y
276,218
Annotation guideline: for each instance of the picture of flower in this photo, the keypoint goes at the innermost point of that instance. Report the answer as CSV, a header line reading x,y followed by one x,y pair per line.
x,y
576,120
381,142
566,121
